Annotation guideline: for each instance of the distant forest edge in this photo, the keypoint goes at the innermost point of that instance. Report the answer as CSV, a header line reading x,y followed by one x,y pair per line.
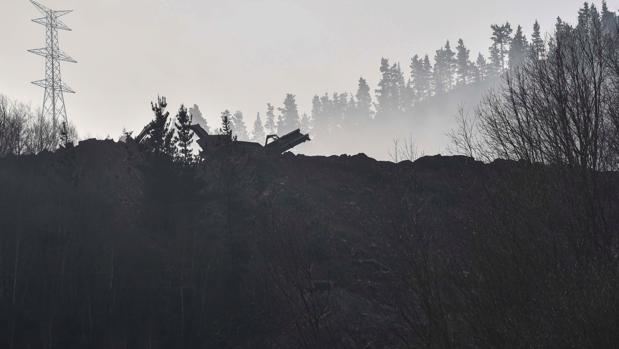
x,y
430,105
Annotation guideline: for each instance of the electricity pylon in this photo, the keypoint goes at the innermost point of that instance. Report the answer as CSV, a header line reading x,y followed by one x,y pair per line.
x,y
53,100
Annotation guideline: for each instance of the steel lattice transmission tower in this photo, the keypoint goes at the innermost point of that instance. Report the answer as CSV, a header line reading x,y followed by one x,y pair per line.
x,y
53,101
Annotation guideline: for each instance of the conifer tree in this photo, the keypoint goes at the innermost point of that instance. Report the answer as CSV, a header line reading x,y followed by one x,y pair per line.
x,y
481,68
238,126
421,77
280,121
538,46
596,21
400,89
560,28
589,21
289,117
518,49
258,134
610,21
340,107
270,125
450,64
184,135
426,89
501,38
391,88
440,87
493,68
444,62
384,92
327,113
584,16
306,123
463,64
350,117
408,97
474,73
364,102
318,116
161,135
416,77
226,123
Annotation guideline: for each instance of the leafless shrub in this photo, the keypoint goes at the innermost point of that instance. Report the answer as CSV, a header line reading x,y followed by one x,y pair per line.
x,y
559,110
13,126
23,131
404,150
465,139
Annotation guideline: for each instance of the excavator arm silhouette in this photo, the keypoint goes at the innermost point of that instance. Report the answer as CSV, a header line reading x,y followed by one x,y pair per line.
x,y
274,144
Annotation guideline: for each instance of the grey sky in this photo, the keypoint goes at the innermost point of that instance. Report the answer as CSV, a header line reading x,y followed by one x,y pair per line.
x,y
236,54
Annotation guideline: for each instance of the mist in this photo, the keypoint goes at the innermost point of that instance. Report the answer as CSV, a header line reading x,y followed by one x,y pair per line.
x,y
241,55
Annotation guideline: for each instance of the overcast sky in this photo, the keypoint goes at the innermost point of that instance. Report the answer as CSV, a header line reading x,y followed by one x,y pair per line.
x,y
236,54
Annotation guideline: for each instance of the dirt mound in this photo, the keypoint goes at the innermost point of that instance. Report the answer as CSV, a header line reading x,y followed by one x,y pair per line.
x,y
105,246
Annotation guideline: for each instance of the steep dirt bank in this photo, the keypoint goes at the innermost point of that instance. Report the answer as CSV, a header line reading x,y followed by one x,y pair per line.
x,y
103,246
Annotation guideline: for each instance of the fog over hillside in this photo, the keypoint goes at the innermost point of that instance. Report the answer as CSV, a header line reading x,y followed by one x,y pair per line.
x,y
240,55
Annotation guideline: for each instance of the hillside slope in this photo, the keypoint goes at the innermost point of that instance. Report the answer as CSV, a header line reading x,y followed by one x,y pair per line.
x,y
103,246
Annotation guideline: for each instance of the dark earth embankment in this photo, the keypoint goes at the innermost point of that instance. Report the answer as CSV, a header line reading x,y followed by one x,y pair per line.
x,y
103,246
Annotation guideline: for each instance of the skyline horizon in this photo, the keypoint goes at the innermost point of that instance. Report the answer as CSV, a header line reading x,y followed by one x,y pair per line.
x,y
331,76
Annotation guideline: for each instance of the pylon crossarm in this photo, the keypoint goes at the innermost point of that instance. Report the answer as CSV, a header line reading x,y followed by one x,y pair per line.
x,y
65,58
40,83
60,56
67,89
61,13
58,86
39,51
61,26
57,25
42,21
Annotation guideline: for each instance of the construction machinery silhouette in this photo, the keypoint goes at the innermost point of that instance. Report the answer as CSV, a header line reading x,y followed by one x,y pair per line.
x,y
273,145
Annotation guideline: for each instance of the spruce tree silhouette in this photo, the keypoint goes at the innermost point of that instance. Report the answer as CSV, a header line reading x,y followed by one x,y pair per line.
x,y
463,65
184,136
258,134
161,136
226,124
289,118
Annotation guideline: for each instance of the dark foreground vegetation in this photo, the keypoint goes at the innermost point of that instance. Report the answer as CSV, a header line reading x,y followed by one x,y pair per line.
x,y
104,246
